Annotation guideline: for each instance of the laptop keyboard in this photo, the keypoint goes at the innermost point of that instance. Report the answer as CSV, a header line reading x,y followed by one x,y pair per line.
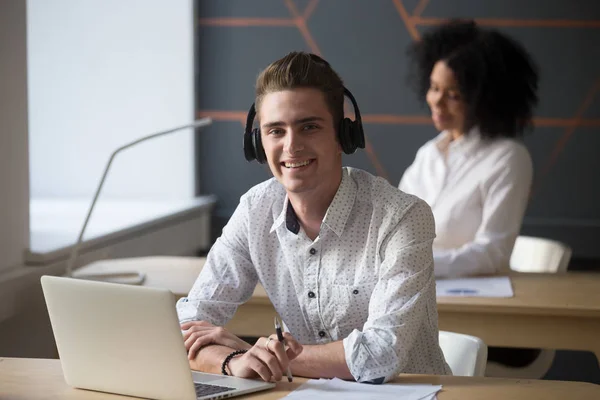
x,y
204,389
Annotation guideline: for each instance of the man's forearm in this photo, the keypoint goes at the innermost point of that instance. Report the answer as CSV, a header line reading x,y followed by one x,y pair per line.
x,y
210,358
322,361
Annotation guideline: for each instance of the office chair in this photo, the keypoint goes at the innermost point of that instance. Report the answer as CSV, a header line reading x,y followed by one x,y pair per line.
x,y
534,254
465,354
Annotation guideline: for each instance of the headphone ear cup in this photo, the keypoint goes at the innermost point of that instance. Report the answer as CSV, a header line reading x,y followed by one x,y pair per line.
x,y
259,150
346,136
249,152
358,135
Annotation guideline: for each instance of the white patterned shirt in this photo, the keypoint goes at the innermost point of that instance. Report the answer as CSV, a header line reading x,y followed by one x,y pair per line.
x,y
478,191
367,279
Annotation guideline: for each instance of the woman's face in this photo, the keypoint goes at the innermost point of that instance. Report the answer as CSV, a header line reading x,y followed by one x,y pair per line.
x,y
448,109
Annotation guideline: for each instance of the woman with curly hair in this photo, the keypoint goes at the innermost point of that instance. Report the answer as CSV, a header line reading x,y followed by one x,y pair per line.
x,y
481,88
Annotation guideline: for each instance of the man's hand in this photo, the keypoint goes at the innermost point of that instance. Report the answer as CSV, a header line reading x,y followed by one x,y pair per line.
x,y
267,359
198,334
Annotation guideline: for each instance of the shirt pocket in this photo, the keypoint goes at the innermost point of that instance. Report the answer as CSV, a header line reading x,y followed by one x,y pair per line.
x,y
351,303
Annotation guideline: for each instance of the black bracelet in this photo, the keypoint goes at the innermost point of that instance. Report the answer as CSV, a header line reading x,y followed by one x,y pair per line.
x,y
228,358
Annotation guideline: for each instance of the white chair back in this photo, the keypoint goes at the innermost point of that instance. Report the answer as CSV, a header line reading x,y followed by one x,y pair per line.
x,y
533,254
466,355
536,255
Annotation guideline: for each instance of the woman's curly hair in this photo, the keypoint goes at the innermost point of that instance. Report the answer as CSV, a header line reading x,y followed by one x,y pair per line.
x,y
497,77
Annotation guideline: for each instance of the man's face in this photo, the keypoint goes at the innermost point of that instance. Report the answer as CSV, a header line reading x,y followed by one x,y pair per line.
x,y
299,138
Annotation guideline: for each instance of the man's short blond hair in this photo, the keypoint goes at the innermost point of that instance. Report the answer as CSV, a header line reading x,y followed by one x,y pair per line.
x,y
303,70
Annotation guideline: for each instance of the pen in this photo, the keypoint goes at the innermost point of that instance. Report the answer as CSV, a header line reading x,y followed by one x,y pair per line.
x,y
280,338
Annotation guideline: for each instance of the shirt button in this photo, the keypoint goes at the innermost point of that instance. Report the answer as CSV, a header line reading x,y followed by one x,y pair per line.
x,y
313,252
355,291
321,333
311,294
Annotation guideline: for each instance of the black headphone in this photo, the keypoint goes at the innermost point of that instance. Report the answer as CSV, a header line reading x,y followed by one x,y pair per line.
x,y
350,133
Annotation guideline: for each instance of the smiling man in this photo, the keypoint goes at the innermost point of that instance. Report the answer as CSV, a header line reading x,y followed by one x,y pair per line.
x,y
345,258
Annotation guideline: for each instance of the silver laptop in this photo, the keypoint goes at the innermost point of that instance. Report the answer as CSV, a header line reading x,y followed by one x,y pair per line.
x,y
125,339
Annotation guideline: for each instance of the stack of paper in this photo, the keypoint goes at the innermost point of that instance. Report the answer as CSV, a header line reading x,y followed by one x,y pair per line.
x,y
338,389
498,286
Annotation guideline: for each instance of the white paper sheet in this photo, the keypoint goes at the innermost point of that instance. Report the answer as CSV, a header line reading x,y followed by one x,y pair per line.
x,y
498,286
337,389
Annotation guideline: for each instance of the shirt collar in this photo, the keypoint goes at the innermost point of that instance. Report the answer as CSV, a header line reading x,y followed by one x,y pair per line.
x,y
287,215
466,145
342,204
282,215
337,213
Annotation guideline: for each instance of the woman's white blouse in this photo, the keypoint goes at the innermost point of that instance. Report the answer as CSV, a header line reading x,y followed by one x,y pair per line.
x,y
478,190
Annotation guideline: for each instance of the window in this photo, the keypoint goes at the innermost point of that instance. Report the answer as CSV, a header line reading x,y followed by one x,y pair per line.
x,y
102,73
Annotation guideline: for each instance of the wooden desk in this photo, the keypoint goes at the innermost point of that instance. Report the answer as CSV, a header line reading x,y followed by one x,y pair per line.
x,y
37,379
555,311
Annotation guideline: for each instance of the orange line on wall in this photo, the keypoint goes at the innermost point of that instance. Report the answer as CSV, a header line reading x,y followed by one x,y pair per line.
x,y
371,154
218,115
395,119
420,7
408,21
238,22
309,9
293,9
308,38
425,120
566,123
564,139
390,119
546,23
301,25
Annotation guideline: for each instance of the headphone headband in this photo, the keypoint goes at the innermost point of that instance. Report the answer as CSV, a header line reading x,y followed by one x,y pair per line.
x,y
357,118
